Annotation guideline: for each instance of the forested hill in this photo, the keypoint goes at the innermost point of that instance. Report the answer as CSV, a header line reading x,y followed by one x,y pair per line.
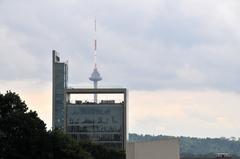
x,y
197,146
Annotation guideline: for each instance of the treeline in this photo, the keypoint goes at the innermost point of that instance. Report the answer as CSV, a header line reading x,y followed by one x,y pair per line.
x,y
195,147
206,156
23,135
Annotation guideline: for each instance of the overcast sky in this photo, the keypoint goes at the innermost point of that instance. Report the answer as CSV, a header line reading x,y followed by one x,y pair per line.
x,y
180,59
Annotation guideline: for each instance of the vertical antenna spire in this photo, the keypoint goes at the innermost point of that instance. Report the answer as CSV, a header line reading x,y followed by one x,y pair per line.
x,y
95,76
95,43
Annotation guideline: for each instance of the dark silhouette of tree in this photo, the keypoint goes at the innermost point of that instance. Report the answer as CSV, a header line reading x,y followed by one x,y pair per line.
x,y
102,152
64,147
23,135
21,132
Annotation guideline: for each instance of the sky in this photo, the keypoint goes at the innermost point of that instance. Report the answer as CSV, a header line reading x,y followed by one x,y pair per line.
x,y
178,58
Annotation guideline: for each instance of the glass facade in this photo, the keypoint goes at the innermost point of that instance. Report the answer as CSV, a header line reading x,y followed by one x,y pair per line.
x,y
101,123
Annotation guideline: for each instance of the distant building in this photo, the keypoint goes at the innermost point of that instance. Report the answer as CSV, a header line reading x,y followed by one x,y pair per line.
x,y
162,149
223,156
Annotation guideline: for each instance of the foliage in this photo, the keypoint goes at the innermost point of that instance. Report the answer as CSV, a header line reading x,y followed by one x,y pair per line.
x,y
62,147
23,135
101,152
206,156
209,145
21,132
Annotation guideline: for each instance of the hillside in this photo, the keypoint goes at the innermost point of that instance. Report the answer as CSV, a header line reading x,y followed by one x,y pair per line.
x,y
197,146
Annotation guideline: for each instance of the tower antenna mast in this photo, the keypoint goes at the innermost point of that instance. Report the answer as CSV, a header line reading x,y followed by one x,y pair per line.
x,y
95,43
95,76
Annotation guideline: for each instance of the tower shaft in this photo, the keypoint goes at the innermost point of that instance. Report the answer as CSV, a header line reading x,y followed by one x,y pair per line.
x,y
95,76
95,95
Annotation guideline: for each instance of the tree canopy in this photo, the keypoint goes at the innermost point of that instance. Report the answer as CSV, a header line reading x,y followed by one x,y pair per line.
x,y
23,135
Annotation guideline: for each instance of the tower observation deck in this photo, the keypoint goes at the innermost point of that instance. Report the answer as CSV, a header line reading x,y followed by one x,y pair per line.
x,y
95,77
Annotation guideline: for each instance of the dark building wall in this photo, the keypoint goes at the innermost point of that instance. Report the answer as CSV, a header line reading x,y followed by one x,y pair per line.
x,y
60,74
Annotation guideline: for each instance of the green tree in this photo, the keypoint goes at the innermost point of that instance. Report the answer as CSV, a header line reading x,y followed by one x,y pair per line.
x,y
102,152
23,135
64,147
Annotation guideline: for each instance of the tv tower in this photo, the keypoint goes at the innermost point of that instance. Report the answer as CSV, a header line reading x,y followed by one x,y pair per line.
x,y
95,76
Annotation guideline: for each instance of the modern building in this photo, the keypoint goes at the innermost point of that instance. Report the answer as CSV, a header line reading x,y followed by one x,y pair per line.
x,y
162,149
59,85
101,121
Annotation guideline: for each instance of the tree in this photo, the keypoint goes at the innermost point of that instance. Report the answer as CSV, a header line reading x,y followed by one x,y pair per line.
x,y
64,147
102,152
23,135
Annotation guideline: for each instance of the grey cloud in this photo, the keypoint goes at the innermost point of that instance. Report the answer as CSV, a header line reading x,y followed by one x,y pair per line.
x,y
156,45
